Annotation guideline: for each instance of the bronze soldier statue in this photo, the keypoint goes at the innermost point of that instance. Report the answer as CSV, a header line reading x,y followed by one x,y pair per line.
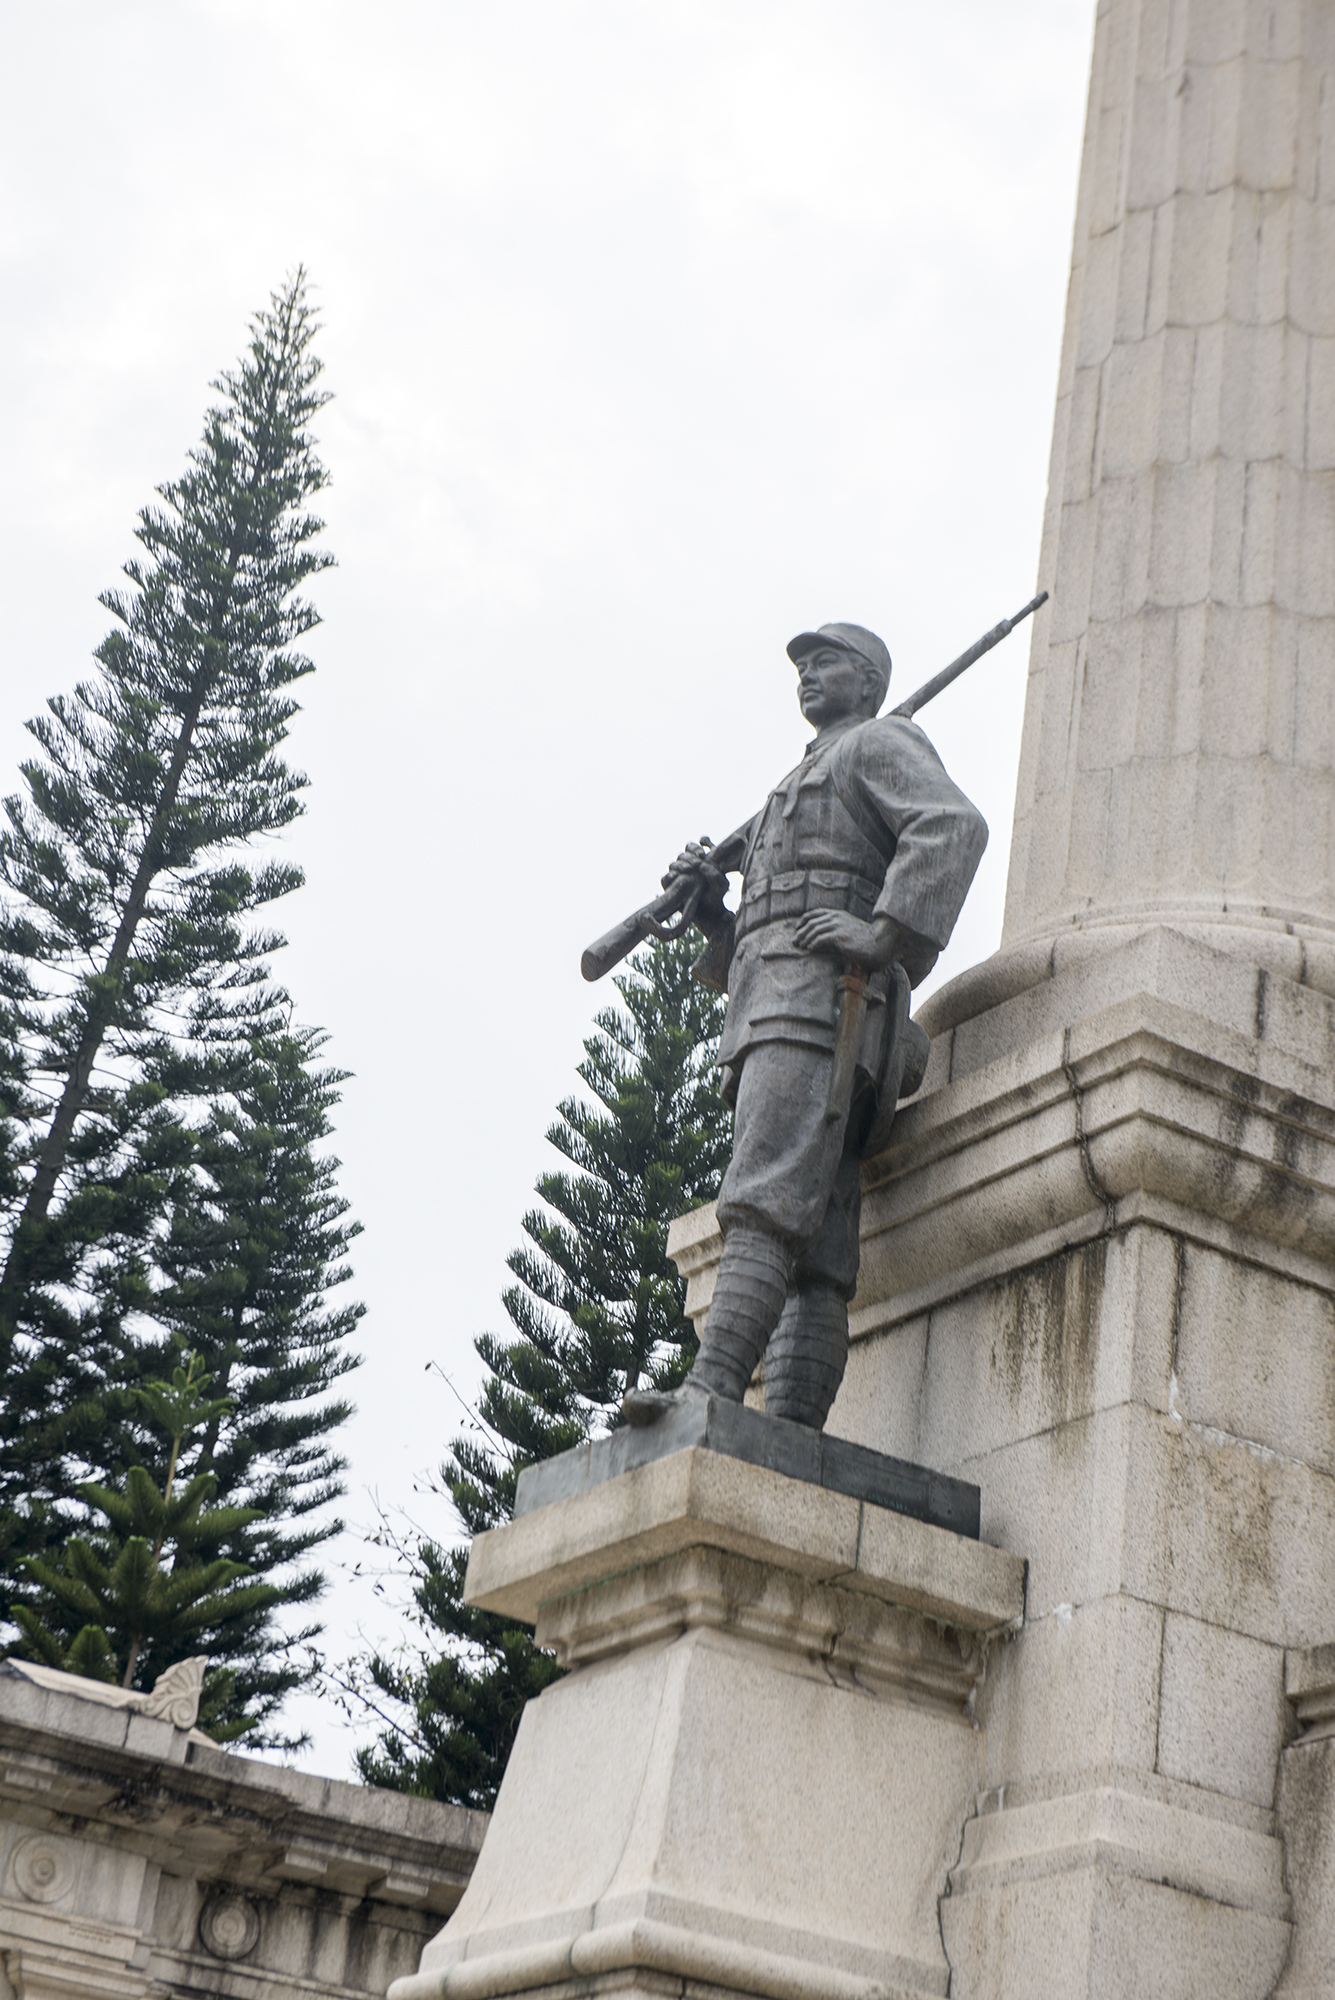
x,y
854,872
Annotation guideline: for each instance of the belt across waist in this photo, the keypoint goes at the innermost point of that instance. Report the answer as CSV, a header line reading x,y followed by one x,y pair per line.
x,y
798,890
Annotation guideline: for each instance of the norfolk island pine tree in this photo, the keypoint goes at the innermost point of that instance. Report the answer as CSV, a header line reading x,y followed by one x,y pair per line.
x,y
133,993
596,1309
149,1572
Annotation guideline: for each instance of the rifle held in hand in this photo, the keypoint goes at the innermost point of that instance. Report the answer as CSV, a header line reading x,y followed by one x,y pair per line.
x,y
679,901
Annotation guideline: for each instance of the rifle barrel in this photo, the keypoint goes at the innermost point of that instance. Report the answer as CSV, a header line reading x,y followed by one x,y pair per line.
x,y
930,689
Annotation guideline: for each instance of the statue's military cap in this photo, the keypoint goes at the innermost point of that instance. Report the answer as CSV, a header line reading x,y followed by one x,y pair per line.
x,y
852,639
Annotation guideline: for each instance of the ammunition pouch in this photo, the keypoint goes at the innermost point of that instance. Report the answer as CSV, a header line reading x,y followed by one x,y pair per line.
x,y
797,890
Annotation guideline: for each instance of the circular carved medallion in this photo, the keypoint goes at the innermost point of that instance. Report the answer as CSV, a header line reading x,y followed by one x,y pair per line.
x,y
229,1926
42,1869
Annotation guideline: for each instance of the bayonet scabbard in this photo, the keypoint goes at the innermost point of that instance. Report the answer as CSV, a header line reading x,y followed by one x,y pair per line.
x,y
847,1042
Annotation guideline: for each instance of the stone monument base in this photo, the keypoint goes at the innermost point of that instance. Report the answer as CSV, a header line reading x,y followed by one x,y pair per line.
x,y
754,1776
816,1458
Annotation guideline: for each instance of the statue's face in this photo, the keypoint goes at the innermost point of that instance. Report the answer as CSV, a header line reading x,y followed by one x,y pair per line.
x,y
831,684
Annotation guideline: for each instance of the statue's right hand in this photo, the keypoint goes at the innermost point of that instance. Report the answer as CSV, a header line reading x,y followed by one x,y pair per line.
x,y
693,860
694,864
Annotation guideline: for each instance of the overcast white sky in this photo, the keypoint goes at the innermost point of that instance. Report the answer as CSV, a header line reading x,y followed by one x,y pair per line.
x,y
658,332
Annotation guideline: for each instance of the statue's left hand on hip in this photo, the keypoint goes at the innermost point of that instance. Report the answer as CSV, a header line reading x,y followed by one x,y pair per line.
x,y
835,934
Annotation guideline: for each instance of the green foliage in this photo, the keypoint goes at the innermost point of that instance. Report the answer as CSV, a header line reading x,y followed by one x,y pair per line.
x,y
147,1586
249,1247
448,1716
130,898
246,1264
253,1246
160,1113
596,1309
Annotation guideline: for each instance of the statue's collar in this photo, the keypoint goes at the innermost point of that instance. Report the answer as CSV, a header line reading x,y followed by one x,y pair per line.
x,y
825,737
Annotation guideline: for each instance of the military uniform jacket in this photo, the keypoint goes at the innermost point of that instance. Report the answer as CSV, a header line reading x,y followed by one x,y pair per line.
x,y
868,822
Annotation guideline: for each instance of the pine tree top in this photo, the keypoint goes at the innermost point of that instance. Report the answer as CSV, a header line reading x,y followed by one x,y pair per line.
x,y
123,853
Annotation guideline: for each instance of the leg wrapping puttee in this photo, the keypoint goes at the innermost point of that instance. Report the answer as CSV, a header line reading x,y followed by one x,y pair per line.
x,y
807,1356
748,1299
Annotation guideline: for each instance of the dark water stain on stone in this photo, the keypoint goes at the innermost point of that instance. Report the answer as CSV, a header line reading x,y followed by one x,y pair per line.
x,y
1047,1331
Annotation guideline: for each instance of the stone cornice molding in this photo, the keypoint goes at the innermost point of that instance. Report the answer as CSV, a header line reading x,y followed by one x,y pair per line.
x,y
183,1802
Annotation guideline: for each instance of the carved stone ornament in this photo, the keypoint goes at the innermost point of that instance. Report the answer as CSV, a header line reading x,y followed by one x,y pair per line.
x,y
229,1926
175,1695
43,1870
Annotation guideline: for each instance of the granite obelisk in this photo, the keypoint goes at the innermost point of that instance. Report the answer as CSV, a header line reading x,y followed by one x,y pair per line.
x,y
1179,760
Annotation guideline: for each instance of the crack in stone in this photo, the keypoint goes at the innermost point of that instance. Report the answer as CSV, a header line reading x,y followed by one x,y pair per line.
x,y
971,1812
1100,1192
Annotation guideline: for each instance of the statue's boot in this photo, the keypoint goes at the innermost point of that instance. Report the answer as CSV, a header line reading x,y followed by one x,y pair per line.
x,y
806,1358
748,1299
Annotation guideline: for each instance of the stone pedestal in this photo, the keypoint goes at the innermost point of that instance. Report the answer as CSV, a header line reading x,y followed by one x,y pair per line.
x,y
754,1777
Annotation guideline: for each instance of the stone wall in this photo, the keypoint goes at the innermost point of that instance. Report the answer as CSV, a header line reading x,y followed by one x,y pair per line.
x,y
138,1859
